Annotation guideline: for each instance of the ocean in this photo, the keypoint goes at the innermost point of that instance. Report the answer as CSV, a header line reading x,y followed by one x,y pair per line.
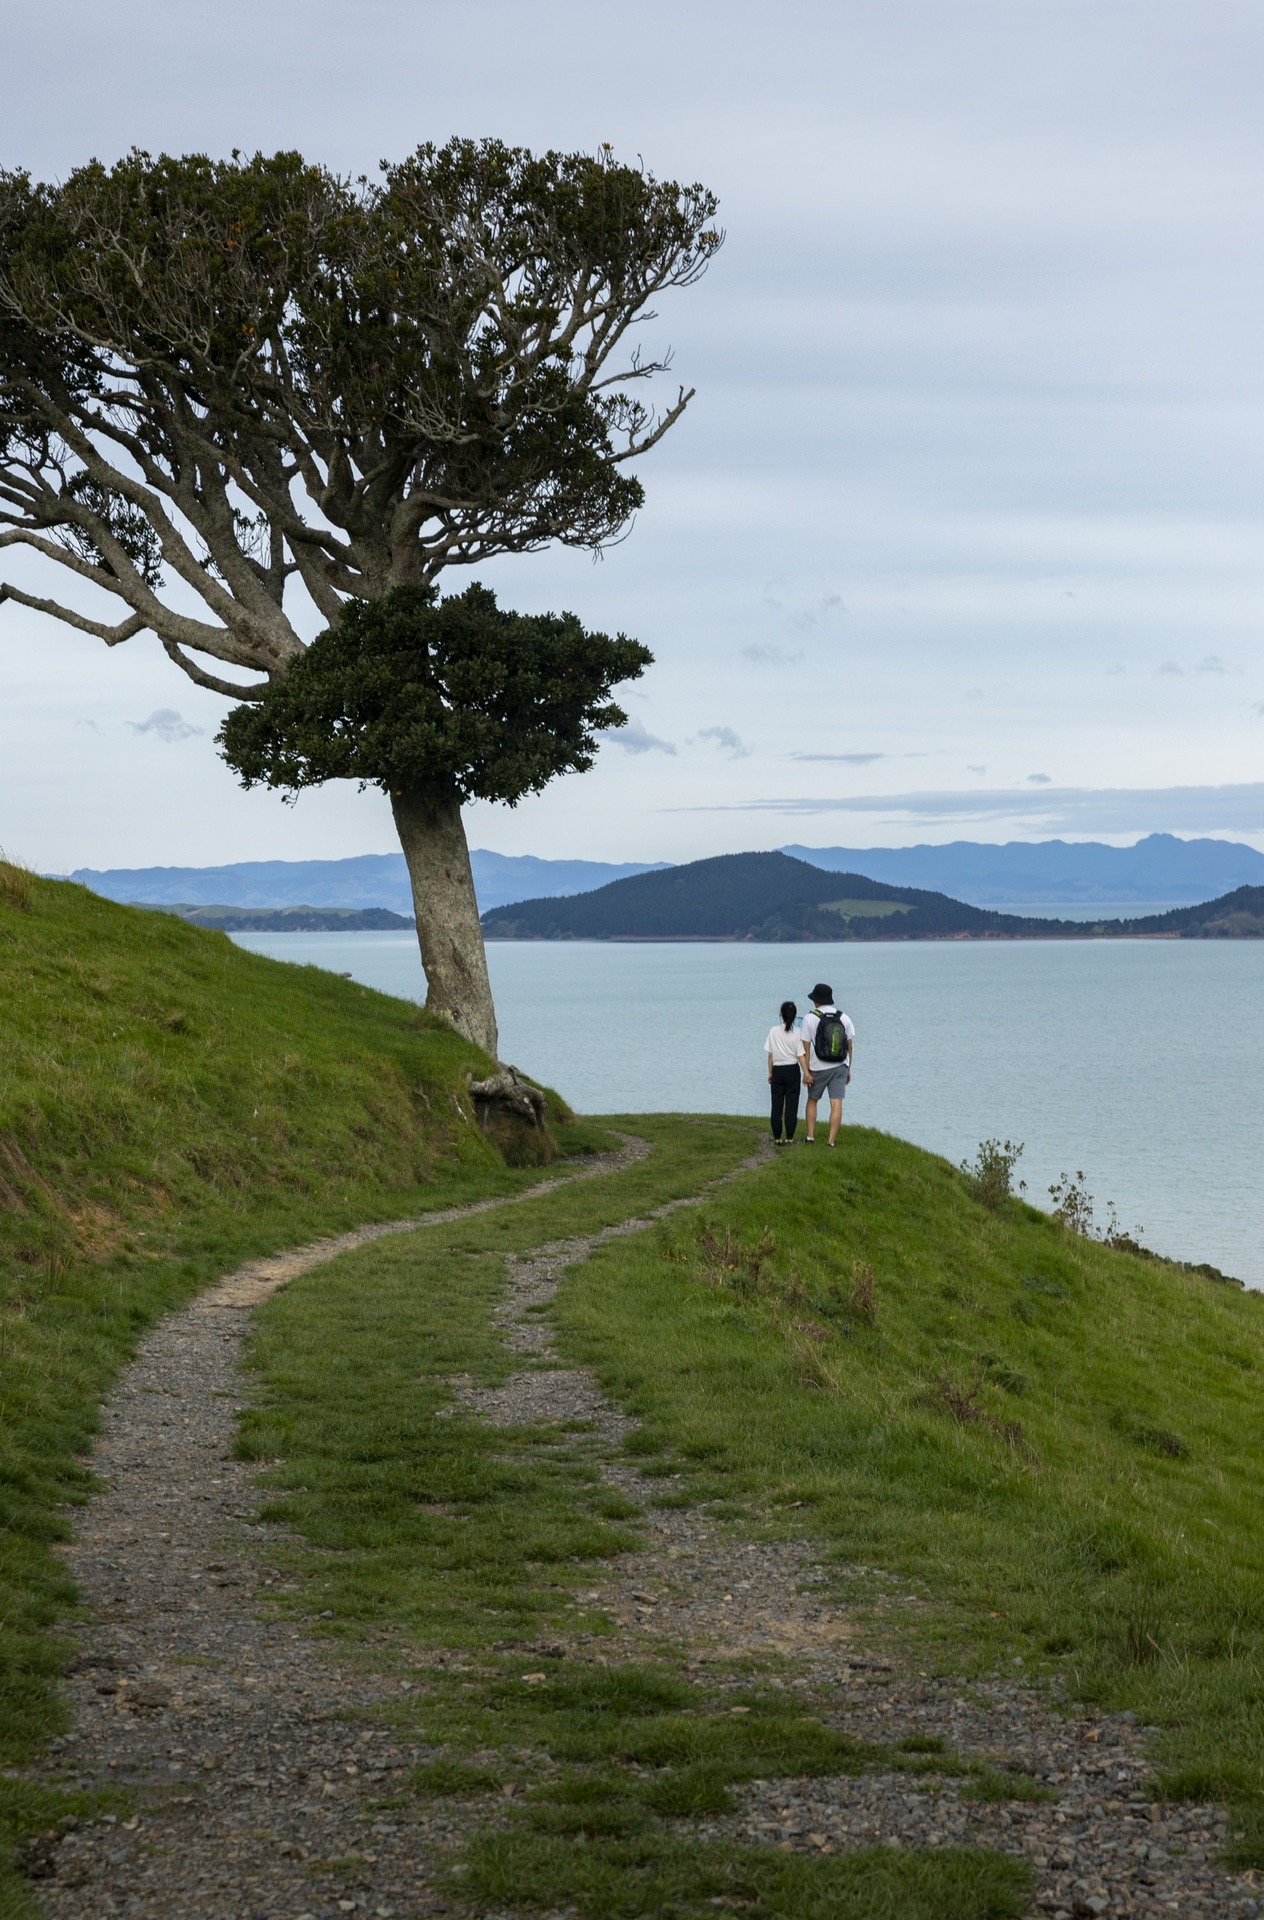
x,y
1138,1063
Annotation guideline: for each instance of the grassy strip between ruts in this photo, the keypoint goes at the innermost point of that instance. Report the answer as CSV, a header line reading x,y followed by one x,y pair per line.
x,y
169,1107
426,1528
1060,1442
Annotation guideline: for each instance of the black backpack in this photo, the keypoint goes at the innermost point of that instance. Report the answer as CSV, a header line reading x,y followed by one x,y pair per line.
x,y
830,1040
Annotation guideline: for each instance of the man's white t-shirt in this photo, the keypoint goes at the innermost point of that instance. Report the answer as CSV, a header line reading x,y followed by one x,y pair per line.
x,y
807,1035
784,1047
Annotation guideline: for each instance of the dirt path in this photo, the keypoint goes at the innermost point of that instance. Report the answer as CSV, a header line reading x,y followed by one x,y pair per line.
x,y
1099,1846
243,1739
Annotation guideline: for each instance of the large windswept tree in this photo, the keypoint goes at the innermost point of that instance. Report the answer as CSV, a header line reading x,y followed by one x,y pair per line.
x,y
237,395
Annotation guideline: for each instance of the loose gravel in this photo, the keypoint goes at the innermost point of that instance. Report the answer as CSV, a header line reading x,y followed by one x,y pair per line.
x,y
242,1736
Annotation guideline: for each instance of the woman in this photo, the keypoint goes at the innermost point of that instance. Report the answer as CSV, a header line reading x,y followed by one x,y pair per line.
x,y
782,1048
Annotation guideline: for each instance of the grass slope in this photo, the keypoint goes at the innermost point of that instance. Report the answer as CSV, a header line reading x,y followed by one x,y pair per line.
x,y
1061,1442
426,1528
169,1106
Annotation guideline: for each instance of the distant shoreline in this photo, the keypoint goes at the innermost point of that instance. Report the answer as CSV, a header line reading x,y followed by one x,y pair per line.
x,y
824,940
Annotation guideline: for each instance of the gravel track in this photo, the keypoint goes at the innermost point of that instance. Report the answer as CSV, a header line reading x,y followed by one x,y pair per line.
x,y
243,1739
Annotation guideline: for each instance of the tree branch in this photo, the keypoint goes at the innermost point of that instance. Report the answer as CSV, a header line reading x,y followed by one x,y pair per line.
x,y
112,636
202,678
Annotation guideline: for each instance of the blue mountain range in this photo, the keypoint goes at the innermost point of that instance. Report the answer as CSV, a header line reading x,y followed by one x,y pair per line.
x,y
369,880
1159,871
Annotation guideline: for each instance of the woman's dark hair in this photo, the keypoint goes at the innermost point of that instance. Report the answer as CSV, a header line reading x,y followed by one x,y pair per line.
x,y
788,1011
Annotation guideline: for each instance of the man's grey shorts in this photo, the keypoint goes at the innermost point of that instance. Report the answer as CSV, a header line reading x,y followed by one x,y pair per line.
x,y
828,1083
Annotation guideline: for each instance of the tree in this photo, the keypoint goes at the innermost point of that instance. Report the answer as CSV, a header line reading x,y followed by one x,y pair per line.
x,y
436,704
234,394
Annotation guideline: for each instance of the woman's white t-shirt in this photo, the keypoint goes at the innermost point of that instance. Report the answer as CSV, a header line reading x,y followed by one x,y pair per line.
x,y
784,1047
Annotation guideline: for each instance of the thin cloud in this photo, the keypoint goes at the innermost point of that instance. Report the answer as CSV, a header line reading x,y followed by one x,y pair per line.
x,y
1210,663
843,759
1238,808
725,738
976,769
166,725
1039,780
764,654
806,619
636,738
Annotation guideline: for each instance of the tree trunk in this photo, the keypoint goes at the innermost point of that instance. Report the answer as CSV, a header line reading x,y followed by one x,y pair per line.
x,y
432,835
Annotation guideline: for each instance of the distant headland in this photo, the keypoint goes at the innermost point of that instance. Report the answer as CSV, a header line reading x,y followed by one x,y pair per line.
x,y
774,897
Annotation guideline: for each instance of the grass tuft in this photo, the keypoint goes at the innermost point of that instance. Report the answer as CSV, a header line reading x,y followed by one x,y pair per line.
x,y
655,1875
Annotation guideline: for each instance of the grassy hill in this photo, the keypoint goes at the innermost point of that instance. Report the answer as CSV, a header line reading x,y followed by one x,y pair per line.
x,y
1022,1452
751,896
770,896
1057,1445
170,1106
295,919
1053,1444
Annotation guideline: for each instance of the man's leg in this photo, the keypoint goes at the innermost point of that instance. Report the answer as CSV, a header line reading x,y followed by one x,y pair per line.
x,y
836,1119
809,1114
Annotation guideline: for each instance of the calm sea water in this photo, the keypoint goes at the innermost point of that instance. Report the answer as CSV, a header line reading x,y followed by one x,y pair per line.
x,y
1140,1062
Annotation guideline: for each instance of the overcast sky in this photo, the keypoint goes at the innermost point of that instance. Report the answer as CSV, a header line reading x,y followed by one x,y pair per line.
x,y
963,535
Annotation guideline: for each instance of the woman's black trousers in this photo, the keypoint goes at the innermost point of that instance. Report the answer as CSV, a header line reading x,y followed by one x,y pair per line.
x,y
785,1101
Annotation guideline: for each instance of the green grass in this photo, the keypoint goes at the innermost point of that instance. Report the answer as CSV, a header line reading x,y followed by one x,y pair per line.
x,y
864,909
416,1515
169,1106
423,1528
1057,1444
660,1874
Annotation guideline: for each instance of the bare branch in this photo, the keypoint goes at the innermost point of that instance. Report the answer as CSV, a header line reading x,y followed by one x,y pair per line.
x,y
204,679
112,636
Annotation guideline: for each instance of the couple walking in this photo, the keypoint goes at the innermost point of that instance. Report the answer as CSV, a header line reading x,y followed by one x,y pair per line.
x,y
820,1053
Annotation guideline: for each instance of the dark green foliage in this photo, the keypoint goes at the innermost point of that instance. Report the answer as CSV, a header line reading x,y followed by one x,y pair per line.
x,y
1233,916
454,696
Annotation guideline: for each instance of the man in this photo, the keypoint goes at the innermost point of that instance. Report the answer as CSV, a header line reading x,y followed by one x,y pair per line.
x,y
826,1074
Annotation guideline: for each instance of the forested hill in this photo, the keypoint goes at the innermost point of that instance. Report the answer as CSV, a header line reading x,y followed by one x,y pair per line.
x,y
771,896
1234,916
754,896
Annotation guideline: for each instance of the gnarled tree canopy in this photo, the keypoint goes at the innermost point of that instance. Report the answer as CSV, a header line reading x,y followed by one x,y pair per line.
x,y
224,380
237,396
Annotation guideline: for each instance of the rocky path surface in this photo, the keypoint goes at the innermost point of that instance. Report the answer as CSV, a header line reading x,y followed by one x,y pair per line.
x,y
258,1783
